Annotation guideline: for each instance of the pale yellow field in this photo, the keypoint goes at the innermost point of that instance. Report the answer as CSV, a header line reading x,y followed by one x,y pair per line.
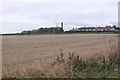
x,y
35,50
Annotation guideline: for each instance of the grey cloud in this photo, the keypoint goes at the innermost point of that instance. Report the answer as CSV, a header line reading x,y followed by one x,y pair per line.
x,y
72,14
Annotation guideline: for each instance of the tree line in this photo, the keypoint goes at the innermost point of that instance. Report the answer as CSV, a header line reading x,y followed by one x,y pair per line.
x,y
43,31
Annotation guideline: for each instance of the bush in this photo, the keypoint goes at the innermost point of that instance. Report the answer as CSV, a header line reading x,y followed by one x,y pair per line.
x,y
97,66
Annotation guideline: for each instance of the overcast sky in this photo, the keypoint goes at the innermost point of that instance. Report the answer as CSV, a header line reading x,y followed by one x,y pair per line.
x,y
20,15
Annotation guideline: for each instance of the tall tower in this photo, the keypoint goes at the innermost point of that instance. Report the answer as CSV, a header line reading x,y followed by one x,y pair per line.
x,y
62,25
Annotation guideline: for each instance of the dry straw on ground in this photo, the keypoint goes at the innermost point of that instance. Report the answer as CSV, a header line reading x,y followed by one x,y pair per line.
x,y
37,51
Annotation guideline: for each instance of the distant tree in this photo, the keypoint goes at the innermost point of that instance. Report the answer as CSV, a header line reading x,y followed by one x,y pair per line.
x,y
43,30
34,32
107,26
61,30
114,27
28,32
118,28
24,32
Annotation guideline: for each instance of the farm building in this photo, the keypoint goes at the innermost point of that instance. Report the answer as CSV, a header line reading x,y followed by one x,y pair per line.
x,y
107,28
87,29
94,29
84,29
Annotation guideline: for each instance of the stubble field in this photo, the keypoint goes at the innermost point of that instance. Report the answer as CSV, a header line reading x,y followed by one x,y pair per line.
x,y
20,52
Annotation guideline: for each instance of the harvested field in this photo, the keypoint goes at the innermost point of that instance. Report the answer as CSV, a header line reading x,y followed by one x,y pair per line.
x,y
38,50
